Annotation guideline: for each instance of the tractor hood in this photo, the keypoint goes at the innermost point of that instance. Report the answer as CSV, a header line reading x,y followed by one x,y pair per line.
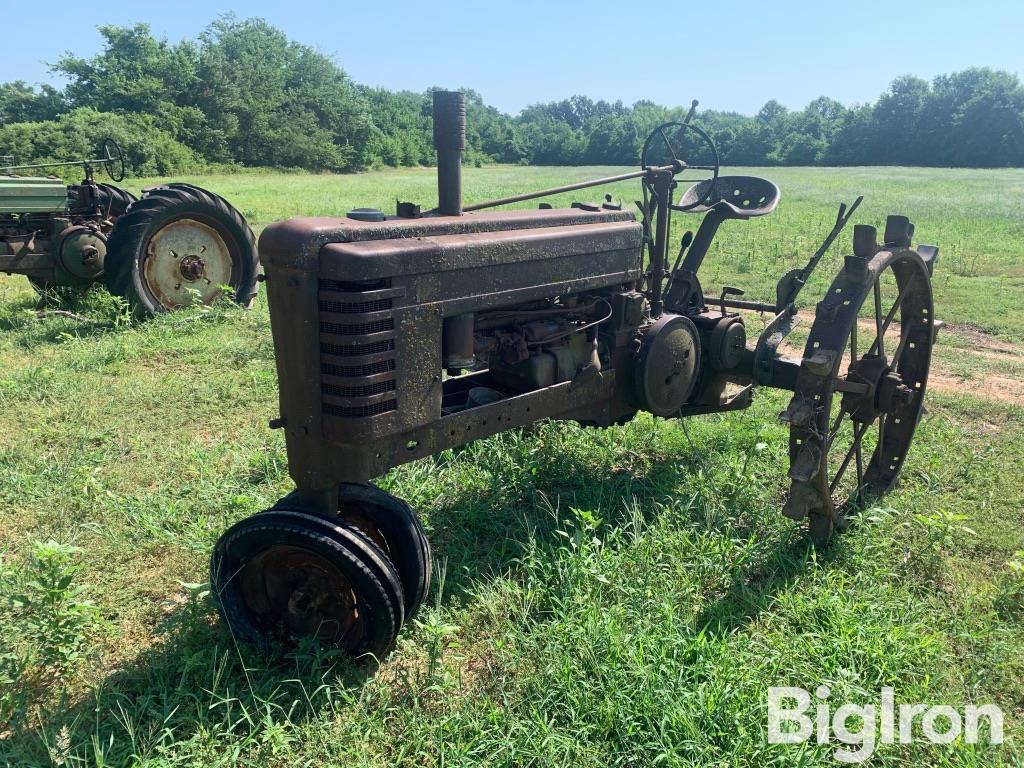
x,y
29,194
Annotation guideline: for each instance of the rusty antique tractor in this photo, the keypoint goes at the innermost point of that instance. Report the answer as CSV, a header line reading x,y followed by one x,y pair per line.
x,y
178,245
400,336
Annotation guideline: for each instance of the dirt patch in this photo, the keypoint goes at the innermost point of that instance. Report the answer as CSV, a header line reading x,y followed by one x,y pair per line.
x,y
1003,389
992,385
982,342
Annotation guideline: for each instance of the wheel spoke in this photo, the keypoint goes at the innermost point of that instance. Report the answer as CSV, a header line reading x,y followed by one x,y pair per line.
x,y
879,330
853,344
668,144
860,475
857,435
898,354
890,315
835,428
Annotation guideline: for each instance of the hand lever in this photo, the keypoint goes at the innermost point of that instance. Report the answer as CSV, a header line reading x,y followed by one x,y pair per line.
x,y
728,291
683,245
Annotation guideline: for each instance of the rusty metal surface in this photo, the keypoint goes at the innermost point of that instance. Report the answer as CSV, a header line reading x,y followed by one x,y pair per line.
x,y
296,243
558,401
399,337
187,258
449,142
368,312
834,367
494,250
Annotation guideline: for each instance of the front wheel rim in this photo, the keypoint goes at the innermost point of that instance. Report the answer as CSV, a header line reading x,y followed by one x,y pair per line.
x,y
297,591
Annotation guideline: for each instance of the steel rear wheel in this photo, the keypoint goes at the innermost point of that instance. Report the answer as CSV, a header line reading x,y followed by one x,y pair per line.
x,y
180,245
283,575
860,389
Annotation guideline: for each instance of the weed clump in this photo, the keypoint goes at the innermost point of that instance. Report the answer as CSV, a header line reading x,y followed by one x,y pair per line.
x,y
47,627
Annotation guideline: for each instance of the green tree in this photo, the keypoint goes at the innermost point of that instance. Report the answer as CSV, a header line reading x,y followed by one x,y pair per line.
x,y
21,103
135,72
244,93
975,118
898,133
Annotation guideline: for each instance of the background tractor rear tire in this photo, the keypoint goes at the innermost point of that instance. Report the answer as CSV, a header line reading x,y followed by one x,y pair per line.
x,y
179,245
114,201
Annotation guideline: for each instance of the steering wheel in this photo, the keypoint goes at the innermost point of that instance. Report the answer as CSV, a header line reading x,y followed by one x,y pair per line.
x,y
113,158
677,142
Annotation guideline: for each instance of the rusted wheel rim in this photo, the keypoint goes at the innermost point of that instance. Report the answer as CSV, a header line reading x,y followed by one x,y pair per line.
x,y
302,593
187,260
872,338
365,524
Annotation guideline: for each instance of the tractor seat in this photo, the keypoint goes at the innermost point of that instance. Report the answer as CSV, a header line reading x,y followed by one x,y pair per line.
x,y
738,197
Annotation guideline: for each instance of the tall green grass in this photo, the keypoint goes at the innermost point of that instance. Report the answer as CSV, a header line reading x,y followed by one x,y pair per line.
x,y
620,596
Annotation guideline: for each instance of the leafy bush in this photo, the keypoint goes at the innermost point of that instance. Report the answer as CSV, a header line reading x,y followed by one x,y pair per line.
x,y
148,149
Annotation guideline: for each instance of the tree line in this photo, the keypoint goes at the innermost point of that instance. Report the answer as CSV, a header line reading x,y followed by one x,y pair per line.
x,y
243,94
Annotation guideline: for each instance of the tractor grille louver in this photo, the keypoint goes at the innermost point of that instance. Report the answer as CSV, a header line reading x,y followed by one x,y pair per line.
x,y
359,412
356,325
344,308
356,350
357,370
357,329
360,391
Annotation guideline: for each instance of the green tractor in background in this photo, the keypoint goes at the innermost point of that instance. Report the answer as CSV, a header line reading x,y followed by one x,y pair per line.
x,y
177,245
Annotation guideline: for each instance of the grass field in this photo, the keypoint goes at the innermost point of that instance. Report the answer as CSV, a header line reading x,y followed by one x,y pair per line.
x,y
603,597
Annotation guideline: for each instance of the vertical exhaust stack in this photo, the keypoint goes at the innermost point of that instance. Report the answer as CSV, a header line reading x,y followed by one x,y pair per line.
x,y
449,141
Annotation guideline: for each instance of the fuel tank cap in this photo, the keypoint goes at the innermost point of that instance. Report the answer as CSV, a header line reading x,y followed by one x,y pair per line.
x,y
366,214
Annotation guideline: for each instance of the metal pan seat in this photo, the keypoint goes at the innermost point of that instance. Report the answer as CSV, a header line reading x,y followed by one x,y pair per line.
x,y
739,197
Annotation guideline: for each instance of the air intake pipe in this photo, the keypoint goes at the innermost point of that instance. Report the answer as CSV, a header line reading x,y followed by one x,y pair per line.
x,y
449,141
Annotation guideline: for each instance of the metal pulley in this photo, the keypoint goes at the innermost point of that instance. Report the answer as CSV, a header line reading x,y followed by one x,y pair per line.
x,y
667,364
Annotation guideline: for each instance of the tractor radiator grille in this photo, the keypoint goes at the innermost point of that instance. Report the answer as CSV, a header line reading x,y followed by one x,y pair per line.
x,y
358,370
357,348
359,412
344,308
358,329
360,391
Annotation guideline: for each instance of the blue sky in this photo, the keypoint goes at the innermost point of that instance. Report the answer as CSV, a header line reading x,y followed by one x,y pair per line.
x,y
523,52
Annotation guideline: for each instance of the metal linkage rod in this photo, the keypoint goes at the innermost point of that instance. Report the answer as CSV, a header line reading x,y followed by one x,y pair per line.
x,y
48,165
569,188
